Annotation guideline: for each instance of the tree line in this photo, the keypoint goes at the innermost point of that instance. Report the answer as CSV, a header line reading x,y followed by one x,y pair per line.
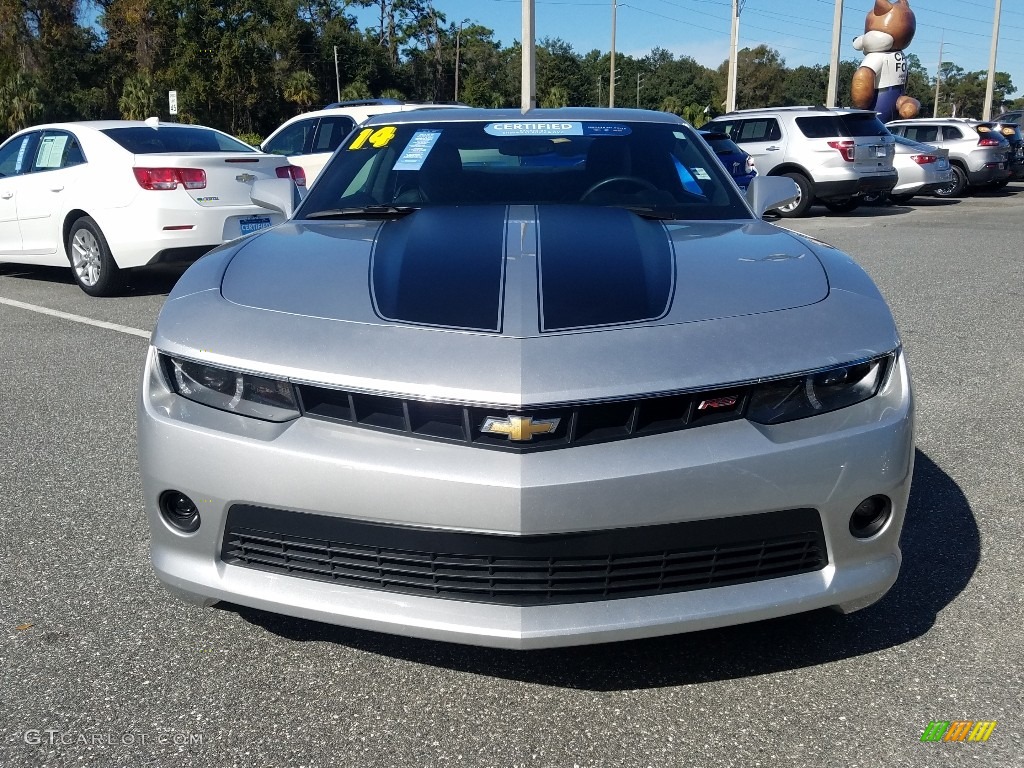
x,y
245,66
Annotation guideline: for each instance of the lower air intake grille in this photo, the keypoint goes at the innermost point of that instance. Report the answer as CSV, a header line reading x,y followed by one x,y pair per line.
x,y
526,570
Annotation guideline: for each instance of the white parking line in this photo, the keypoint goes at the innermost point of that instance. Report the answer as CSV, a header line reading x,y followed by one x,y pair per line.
x,y
75,318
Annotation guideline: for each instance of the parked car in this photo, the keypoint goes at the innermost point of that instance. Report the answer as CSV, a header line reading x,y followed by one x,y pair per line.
x,y
834,155
978,152
735,160
922,169
1015,137
308,140
1016,117
463,397
114,195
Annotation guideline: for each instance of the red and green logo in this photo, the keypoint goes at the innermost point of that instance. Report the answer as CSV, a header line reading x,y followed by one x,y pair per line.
x,y
958,730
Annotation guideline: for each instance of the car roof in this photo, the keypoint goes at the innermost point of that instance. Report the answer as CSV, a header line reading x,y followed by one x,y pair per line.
x,y
104,125
534,115
803,109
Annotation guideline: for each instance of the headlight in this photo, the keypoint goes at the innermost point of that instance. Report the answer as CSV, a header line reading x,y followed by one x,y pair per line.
x,y
796,398
226,390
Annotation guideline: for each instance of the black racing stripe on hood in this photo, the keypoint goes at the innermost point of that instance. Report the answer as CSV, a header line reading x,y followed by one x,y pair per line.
x,y
441,267
602,266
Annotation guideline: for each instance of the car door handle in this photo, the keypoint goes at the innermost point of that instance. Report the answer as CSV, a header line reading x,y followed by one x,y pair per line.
x,y
57,189
6,195
772,149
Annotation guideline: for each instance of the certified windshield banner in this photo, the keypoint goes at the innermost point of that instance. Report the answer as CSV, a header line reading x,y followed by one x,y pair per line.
x,y
556,128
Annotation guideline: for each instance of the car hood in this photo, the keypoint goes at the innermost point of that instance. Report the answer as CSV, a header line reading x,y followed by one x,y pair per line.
x,y
525,271
440,305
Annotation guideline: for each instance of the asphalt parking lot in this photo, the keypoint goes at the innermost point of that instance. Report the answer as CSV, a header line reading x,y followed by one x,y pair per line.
x,y
100,667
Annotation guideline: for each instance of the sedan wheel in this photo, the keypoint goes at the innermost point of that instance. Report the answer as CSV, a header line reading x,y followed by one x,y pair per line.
x,y
956,187
93,266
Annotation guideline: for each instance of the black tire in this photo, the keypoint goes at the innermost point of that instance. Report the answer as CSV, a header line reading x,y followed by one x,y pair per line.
x,y
843,206
94,268
956,187
803,203
901,199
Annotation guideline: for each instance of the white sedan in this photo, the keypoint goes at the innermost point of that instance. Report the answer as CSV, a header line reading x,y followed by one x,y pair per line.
x,y
114,195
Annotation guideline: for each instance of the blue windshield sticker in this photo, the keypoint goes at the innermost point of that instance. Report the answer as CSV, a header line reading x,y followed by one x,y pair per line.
x,y
416,151
535,128
689,183
606,129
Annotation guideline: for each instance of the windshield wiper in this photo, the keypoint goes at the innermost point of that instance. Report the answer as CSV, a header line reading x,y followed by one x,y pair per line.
x,y
367,211
645,212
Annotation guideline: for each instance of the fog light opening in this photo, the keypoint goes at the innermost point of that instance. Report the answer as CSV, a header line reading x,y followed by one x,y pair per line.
x,y
870,516
179,511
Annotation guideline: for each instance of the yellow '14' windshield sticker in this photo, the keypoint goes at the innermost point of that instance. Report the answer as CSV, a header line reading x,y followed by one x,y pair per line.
x,y
375,137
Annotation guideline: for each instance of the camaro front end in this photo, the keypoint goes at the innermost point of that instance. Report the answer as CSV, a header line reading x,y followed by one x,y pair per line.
x,y
527,425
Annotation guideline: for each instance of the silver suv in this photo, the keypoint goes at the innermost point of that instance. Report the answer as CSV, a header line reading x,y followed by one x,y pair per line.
x,y
978,153
834,155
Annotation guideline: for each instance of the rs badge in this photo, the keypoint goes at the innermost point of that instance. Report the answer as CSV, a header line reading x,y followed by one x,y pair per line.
x,y
519,428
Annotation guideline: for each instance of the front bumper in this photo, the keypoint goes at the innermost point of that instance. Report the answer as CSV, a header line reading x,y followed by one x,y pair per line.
x,y
829,463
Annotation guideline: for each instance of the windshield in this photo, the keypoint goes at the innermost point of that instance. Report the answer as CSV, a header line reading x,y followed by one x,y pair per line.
x,y
663,170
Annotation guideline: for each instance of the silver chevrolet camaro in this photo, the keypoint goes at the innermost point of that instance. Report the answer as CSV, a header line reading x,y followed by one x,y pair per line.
x,y
526,380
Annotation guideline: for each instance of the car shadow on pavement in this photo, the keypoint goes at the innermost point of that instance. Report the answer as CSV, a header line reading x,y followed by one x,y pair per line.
x,y
941,550
152,281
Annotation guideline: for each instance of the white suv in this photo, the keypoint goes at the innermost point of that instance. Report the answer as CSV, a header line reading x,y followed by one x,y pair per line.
x,y
834,155
310,139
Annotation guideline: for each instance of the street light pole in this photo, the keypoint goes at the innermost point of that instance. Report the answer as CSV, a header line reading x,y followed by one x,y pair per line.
x,y
938,75
730,94
528,94
833,66
611,79
990,85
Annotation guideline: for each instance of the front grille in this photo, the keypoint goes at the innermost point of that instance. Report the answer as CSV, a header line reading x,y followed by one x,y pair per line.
x,y
526,570
580,424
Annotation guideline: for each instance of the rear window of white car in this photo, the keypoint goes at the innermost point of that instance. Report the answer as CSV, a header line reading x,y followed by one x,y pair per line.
x,y
143,140
829,126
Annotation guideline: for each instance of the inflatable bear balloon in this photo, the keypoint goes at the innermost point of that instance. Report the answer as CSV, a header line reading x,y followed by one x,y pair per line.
x,y
879,82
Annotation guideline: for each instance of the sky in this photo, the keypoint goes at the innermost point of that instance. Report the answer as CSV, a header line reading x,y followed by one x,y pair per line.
x,y
800,30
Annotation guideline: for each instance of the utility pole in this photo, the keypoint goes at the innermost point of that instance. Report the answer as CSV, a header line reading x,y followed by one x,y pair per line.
x,y
833,65
611,78
337,77
638,79
730,94
990,85
529,78
938,75
458,41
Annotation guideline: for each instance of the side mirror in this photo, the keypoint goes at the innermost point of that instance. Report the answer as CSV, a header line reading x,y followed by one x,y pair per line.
x,y
279,195
767,192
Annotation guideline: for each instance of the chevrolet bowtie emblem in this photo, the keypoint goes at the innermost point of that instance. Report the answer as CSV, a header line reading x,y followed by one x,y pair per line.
x,y
519,428
245,178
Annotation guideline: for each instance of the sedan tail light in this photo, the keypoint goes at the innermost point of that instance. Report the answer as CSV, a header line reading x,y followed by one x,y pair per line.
x,y
845,147
293,172
170,178
923,159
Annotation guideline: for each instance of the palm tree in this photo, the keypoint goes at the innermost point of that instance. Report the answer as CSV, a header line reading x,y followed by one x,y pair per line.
x,y
300,89
137,101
